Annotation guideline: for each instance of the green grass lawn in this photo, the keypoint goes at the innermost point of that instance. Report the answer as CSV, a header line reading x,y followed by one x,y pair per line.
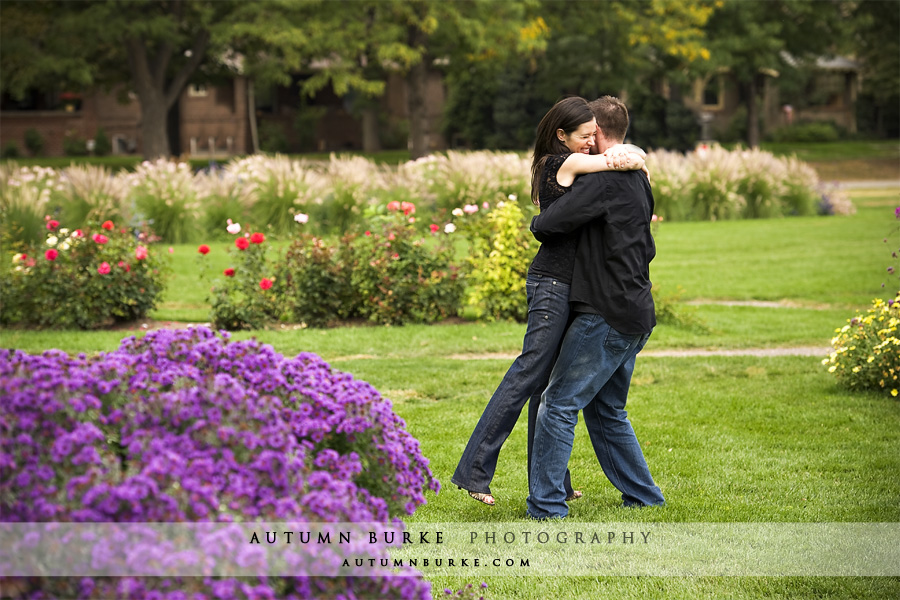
x,y
743,439
728,440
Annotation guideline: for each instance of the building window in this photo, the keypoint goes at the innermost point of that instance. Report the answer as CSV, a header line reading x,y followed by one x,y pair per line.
x,y
712,96
198,90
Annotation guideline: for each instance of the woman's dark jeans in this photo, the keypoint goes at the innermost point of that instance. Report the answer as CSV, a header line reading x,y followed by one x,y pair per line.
x,y
548,316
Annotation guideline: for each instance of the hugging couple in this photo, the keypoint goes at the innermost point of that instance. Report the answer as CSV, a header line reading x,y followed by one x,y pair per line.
x,y
589,313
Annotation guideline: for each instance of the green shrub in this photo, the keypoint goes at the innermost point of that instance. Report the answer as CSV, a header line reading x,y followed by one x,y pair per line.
x,y
102,143
498,262
81,279
34,142
817,131
866,352
10,150
74,145
317,281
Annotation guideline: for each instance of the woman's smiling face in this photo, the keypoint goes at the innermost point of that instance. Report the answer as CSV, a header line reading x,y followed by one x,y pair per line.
x,y
581,139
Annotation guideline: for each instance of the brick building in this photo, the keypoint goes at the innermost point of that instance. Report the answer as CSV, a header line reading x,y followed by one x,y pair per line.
x,y
215,120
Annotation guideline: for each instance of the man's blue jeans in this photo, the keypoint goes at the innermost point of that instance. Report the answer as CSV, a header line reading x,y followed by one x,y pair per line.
x,y
548,315
593,373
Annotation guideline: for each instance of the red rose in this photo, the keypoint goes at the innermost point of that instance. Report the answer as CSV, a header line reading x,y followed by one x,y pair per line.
x,y
434,228
108,225
265,283
51,254
229,272
241,243
52,224
203,249
257,238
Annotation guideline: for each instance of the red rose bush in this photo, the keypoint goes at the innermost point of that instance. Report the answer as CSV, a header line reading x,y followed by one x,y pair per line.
x,y
81,279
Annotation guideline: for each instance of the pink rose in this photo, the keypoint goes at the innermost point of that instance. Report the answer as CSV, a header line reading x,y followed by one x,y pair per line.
x,y
434,228
52,224
265,283
393,205
104,268
51,254
140,253
99,238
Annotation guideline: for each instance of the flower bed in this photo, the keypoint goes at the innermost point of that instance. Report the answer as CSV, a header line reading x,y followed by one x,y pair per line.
x,y
185,426
82,278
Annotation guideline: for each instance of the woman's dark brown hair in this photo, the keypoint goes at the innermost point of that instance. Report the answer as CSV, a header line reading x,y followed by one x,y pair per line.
x,y
567,114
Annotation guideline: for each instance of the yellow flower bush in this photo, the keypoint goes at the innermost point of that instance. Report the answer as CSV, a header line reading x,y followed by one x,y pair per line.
x,y
867,350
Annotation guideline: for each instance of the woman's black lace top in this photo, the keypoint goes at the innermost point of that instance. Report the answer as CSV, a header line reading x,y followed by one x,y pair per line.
x,y
555,258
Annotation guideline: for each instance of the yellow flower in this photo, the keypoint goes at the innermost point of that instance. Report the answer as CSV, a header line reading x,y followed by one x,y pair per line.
x,y
894,392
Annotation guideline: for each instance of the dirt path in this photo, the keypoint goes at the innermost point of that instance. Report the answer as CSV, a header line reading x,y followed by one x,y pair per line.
x,y
820,351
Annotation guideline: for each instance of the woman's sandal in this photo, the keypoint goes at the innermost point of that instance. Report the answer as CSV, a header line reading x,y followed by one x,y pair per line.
x,y
575,495
483,498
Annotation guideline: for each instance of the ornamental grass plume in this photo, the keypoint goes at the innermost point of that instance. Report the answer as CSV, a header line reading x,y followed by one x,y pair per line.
x,y
164,196
279,188
189,426
26,196
91,193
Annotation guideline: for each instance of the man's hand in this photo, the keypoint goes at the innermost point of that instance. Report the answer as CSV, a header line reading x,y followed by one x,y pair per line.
x,y
623,159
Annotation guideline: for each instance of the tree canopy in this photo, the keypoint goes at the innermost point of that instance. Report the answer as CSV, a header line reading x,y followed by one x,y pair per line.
x,y
504,63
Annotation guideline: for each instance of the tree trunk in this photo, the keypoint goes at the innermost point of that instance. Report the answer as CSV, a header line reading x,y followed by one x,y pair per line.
x,y
251,114
154,130
371,141
752,113
416,81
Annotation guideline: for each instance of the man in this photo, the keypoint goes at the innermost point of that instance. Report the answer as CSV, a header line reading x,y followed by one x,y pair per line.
x,y
613,317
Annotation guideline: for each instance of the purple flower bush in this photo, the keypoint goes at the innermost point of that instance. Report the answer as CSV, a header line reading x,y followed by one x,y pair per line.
x,y
188,426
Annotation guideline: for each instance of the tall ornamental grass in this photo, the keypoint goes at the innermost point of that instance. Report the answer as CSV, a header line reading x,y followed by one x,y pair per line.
x,y
165,198
25,198
714,184
90,193
342,192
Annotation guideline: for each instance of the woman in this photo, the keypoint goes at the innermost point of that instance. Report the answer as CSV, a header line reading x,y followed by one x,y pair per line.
x,y
565,137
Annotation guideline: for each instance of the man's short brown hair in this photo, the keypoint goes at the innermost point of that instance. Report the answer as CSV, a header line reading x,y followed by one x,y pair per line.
x,y
612,117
